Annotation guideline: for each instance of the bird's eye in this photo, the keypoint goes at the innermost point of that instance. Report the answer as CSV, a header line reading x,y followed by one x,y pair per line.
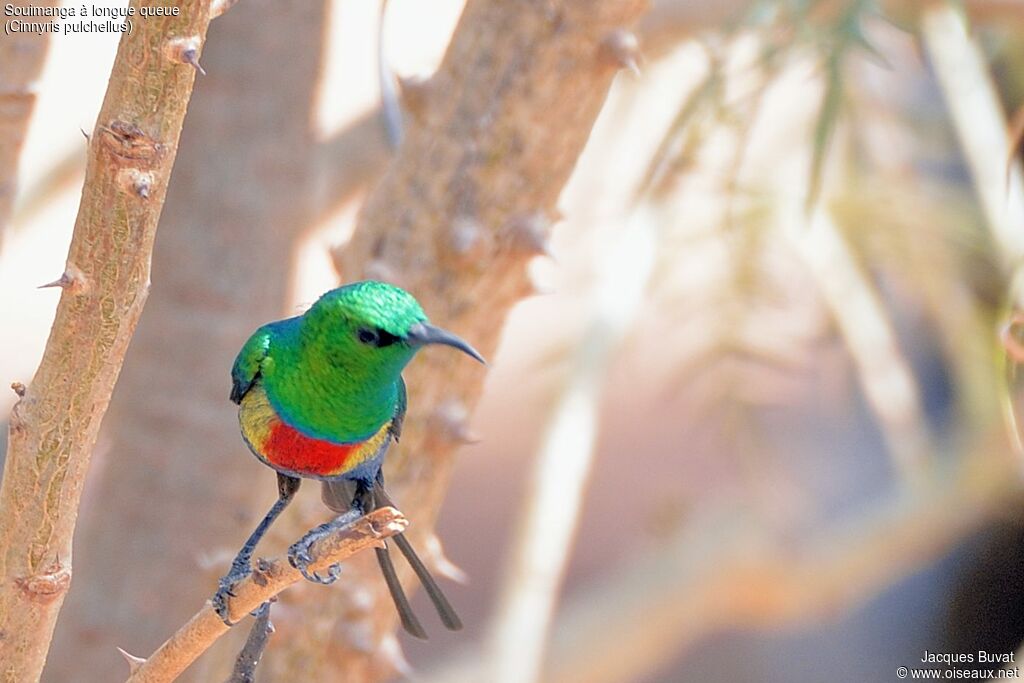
x,y
367,336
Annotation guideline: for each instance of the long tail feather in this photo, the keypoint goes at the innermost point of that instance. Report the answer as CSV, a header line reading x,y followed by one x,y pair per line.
x,y
444,608
409,621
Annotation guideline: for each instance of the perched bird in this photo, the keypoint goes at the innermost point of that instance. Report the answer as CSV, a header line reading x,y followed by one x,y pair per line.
x,y
321,396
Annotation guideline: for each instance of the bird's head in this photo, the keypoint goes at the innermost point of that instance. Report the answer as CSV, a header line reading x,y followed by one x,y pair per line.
x,y
374,326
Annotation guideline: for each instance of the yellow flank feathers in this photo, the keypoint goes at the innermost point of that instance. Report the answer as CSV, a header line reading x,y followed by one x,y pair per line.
x,y
368,448
256,417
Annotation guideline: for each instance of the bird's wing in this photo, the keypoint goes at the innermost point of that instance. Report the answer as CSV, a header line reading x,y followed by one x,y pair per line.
x,y
246,369
399,418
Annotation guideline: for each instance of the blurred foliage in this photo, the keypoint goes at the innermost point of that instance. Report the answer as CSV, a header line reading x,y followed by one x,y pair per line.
x,y
826,31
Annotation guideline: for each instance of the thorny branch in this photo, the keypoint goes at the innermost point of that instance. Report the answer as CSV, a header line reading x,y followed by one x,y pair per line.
x,y
269,578
55,423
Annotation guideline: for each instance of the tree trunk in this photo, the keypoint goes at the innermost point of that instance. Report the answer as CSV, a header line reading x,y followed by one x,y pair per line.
x,y
54,426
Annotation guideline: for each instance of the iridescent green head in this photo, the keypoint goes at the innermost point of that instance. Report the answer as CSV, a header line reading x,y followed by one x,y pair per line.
x,y
375,327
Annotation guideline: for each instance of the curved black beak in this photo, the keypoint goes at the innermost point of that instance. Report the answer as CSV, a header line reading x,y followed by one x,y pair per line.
x,y
422,334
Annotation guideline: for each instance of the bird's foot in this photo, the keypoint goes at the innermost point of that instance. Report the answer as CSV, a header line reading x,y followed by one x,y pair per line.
x,y
300,558
299,553
240,569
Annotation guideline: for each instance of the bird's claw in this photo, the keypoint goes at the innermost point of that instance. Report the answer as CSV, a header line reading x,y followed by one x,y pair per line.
x,y
225,589
299,557
333,572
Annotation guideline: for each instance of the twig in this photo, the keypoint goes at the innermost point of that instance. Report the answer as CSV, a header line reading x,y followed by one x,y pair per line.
x,y
255,645
270,578
54,426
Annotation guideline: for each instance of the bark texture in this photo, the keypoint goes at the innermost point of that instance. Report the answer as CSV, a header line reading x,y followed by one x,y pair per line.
x,y
54,426
22,56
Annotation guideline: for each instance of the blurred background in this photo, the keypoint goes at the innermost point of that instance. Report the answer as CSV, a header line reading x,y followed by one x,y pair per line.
x,y
756,423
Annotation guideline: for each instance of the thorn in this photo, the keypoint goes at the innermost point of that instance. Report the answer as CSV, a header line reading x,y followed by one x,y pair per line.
x,y
359,635
259,574
19,389
532,287
468,239
219,7
440,563
191,57
62,282
465,234
529,232
134,663
379,269
361,599
134,181
622,46
415,93
88,140
452,420
390,650
185,51
71,279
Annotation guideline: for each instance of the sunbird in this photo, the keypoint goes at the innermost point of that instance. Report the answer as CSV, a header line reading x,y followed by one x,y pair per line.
x,y
321,396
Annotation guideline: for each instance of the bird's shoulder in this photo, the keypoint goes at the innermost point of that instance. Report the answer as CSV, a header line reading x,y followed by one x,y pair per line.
x,y
255,356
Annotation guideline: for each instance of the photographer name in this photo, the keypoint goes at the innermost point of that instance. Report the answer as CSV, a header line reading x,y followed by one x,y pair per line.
x,y
981,656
